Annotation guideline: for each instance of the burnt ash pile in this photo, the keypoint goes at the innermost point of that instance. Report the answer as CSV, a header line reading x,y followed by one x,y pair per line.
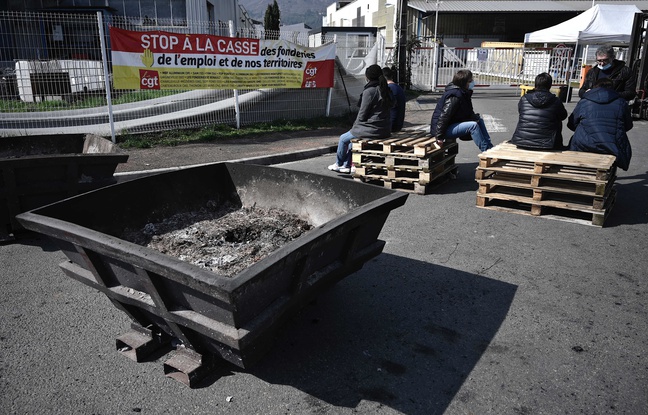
x,y
223,239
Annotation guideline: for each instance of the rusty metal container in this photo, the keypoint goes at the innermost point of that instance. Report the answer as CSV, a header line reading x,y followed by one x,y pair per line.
x,y
228,317
38,170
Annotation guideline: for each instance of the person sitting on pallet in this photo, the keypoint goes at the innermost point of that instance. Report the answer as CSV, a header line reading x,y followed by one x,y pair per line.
x,y
454,116
600,122
398,111
373,119
541,114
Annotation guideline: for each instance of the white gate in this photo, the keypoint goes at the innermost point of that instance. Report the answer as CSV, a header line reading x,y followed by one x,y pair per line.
x,y
491,67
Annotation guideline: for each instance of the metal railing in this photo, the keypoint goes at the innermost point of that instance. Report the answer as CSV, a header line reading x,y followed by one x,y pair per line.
x,y
493,67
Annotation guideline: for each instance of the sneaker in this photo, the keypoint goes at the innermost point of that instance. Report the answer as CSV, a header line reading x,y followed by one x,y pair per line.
x,y
352,169
344,170
334,167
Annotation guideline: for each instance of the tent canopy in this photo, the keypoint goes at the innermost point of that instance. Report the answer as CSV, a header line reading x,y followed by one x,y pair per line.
x,y
603,23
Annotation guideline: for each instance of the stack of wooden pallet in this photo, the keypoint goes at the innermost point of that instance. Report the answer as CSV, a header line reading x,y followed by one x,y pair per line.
x,y
566,185
410,161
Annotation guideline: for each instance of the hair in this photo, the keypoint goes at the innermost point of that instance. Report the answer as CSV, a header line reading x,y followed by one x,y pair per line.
x,y
543,81
374,73
606,50
462,78
603,83
388,73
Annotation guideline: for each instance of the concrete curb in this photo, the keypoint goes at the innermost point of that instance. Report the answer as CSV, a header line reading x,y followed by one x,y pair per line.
x,y
261,160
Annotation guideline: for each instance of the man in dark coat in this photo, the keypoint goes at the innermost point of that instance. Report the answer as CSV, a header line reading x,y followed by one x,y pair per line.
x,y
600,121
398,112
454,116
608,67
541,114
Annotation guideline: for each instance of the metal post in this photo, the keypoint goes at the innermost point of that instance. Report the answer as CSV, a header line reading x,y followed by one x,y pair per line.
x,y
435,68
104,58
402,41
569,73
328,102
237,109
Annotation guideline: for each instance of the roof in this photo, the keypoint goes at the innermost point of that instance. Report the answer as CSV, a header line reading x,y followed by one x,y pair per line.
x,y
485,6
603,23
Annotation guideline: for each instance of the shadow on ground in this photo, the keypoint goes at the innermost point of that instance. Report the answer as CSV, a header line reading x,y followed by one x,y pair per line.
x,y
400,332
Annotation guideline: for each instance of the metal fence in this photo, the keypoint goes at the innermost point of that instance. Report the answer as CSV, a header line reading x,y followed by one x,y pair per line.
x,y
493,67
53,77
54,81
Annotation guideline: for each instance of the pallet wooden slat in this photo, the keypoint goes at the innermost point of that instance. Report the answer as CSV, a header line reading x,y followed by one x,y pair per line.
x,y
582,216
417,143
411,185
546,183
391,161
422,176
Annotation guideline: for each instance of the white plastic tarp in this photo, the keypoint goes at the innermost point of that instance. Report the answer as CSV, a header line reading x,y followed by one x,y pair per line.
x,y
603,23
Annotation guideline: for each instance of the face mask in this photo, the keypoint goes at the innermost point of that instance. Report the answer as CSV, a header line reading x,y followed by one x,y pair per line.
x,y
606,66
471,85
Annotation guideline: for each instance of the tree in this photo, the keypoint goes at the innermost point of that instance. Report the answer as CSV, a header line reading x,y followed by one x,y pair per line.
x,y
412,44
271,21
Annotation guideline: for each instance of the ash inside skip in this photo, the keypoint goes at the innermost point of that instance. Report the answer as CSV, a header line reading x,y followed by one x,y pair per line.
x,y
223,239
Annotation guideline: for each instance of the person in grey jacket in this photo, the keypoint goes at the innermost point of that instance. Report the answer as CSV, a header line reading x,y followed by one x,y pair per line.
x,y
373,119
540,118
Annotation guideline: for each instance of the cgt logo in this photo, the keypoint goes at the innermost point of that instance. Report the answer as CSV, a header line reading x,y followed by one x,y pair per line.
x,y
149,79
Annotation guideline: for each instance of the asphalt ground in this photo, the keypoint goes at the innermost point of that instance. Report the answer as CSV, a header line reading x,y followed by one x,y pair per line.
x,y
467,311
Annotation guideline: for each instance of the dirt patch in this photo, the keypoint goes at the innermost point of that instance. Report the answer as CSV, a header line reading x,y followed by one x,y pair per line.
x,y
223,239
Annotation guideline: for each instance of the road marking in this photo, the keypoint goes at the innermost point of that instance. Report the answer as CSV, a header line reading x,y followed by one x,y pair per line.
x,y
493,125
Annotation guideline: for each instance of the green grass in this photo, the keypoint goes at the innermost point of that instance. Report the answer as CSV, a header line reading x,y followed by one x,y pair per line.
x,y
221,131
79,101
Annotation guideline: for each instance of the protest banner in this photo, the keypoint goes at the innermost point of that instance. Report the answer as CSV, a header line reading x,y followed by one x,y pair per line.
x,y
163,60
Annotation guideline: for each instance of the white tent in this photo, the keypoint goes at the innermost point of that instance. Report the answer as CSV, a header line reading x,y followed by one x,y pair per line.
x,y
603,23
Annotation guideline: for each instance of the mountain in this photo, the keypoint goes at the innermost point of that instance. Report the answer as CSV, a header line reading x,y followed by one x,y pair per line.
x,y
309,12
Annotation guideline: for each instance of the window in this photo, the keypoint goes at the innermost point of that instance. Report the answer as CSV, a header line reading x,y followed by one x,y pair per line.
x,y
152,12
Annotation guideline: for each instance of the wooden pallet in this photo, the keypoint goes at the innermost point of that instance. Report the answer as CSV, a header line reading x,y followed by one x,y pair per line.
x,y
423,176
569,165
408,184
403,161
566,183
551,209
489,180
416,143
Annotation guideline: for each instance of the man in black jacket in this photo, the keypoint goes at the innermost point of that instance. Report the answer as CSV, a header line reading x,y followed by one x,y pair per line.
x,y
608,67
541,114
454,116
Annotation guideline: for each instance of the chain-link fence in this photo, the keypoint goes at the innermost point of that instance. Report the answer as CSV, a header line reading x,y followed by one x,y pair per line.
x,y
54,81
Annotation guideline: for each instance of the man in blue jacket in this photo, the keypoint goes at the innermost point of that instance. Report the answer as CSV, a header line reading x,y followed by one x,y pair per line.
x,y
600,122
398,112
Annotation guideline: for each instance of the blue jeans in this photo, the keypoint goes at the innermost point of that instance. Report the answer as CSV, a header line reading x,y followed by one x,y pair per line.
x,y
476,129
344,150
